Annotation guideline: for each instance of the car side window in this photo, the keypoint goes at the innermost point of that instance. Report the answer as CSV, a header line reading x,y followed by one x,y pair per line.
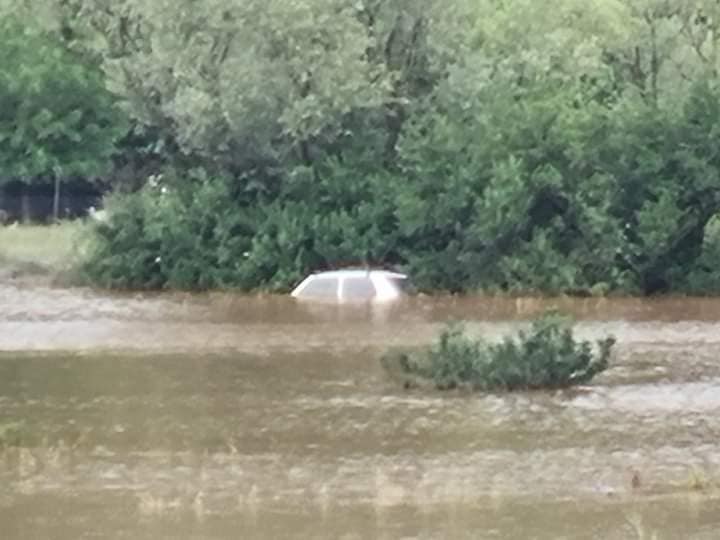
x,y
360,288
321,288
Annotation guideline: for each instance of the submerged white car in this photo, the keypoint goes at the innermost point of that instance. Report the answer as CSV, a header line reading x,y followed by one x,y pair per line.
x,y
352,286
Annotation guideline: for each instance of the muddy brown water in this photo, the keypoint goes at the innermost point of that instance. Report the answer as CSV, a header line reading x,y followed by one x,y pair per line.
x,y
220,416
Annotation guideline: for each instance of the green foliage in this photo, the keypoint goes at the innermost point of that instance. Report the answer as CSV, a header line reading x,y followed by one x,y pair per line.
x,y
704,277
515,146
186,237
57,118
548,356
199,236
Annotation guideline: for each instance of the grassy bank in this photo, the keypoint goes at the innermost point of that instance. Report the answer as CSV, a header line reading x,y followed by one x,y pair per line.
x,y
39,252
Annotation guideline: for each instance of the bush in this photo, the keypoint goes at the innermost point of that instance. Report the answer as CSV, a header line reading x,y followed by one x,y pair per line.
x,y
197,233
704,277
548,356
186,237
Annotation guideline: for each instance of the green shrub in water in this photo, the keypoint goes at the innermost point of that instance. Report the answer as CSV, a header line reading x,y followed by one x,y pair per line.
x,y
12,434
546,356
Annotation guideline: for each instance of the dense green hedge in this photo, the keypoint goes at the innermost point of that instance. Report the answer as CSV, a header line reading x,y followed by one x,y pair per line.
x,y
610,201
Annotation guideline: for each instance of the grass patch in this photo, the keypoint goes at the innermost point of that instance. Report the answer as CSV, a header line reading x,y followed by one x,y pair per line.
x,y
546,357
40,250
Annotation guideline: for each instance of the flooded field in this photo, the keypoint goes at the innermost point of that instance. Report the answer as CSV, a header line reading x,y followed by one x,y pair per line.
x,y
223,417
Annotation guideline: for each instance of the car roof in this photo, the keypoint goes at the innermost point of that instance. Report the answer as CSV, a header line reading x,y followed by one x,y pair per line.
x,y
357,272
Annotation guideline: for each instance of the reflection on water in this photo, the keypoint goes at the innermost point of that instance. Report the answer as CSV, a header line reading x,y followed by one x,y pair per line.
x,y
227,417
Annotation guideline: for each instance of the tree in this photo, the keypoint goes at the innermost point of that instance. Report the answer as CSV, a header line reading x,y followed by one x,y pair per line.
x,y
57,120
552,146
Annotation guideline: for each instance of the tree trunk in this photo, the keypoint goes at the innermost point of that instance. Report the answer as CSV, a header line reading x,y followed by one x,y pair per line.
x,y
56,199
654,64
25,205
394,120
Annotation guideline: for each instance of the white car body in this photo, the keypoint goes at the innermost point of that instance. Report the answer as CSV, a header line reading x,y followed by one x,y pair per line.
x,y
351,286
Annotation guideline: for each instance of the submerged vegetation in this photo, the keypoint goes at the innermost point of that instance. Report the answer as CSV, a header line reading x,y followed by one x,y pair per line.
x,y
12,434
518,146
545,357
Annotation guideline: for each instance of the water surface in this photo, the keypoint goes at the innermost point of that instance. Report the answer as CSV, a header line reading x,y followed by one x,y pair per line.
x,y
222,416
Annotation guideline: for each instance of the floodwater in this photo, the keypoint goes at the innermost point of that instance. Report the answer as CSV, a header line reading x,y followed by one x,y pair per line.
x,y
223,417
